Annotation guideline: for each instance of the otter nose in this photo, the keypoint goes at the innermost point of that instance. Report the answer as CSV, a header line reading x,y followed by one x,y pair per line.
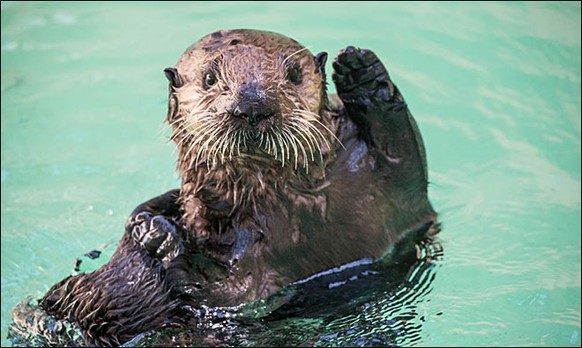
x,y
253,113
253,104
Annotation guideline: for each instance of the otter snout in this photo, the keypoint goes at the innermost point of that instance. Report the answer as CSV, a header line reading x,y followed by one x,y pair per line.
x,y
253,113
253,104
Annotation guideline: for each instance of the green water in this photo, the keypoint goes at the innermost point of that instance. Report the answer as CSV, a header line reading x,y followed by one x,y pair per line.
x,y
494,87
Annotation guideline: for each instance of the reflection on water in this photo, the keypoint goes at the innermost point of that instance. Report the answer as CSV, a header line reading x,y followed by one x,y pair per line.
x,y
367,304
379,304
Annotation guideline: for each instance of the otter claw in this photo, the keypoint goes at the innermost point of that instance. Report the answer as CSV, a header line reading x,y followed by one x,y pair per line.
x,y
361,78
170,244
153,234
135,223
156,234
352,58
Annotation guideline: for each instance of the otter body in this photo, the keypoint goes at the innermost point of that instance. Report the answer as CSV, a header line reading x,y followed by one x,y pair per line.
x,y
279,181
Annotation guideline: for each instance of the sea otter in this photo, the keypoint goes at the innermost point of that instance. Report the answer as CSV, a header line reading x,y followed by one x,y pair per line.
x,y
280,182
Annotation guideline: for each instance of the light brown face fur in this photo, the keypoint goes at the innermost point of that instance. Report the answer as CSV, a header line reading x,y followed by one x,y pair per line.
x,y
248,94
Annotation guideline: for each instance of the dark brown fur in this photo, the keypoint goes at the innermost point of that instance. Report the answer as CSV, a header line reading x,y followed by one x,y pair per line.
x,y
103,303
279,182
292,221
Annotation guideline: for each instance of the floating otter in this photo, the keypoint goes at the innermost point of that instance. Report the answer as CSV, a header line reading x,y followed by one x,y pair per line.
x,y
280,182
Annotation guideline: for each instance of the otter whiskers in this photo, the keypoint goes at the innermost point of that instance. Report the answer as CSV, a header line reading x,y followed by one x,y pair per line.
x,y
214,140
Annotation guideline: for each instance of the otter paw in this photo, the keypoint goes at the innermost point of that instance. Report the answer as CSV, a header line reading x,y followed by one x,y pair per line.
x,y
171,245
361,78
138,224
158,235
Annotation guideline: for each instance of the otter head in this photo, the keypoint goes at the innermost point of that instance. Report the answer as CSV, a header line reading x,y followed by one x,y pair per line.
x,y
248,94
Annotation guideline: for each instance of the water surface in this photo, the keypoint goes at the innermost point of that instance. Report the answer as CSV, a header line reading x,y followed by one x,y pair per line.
x,y
494,87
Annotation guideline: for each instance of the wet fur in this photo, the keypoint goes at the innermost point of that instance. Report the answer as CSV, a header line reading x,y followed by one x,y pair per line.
x,y
120,300
257,210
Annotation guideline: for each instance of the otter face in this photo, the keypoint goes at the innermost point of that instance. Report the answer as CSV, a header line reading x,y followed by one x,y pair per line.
x,y
245,93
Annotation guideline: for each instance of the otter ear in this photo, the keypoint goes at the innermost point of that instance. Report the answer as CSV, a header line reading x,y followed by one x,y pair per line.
x,y
320,60
173,76
175,81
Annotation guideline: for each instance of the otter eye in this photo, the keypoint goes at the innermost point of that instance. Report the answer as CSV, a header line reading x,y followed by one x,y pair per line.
x,y
294,74
209,80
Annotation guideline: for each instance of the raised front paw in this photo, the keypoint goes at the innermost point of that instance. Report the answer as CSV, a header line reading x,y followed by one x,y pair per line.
x,y
157,234
361,79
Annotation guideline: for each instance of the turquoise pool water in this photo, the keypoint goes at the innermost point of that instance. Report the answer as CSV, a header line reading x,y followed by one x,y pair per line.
x,y
494,87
